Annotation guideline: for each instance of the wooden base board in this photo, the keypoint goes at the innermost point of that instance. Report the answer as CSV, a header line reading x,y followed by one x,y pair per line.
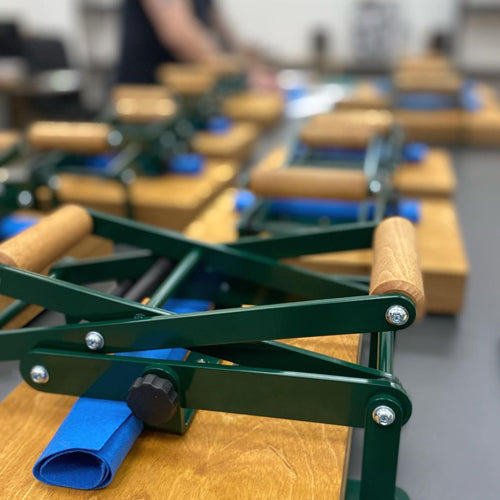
x,y
170,201
236,144
433,177
221,456
442,254
263,109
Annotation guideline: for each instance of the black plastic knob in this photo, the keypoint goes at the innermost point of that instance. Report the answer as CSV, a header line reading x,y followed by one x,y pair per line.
x,y
153,399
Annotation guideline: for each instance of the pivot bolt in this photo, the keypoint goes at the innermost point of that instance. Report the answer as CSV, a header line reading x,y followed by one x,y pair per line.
x,y
39,374
94,341
397,315
383,415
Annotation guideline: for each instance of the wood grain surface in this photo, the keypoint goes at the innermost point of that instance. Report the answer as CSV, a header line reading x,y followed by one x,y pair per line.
x,y
396,263
237,143
47,241
442,252
81,137
8,138
170,201
264,109
310,182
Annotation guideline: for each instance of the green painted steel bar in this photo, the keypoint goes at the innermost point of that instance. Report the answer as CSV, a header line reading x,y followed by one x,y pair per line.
x,y
280,356
231,261
235,389
385,358
380,451
225,326
175,279
332,239
73,300
118,266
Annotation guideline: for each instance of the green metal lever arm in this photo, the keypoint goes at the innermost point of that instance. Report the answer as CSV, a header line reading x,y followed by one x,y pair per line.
x,y
237,389
290,320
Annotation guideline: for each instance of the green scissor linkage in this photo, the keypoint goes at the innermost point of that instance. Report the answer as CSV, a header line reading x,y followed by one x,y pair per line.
x,y
267,378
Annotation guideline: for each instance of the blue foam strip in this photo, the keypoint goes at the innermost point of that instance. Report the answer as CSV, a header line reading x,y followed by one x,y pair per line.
x,y
13,224
338,210
96,436
426,101
187,164
219,125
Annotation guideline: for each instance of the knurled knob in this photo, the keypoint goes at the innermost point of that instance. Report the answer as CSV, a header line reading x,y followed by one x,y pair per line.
x,y
153,399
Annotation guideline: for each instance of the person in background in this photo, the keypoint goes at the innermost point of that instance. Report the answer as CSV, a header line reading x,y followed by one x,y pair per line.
x,y
190,31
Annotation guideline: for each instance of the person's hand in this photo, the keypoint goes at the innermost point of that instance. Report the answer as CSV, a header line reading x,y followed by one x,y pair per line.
x,y
262,77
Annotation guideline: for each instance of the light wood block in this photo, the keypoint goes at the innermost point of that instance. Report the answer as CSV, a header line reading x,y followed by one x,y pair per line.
x,y
263,109
442,253
170,201
8,139
236,144
365,95
221,456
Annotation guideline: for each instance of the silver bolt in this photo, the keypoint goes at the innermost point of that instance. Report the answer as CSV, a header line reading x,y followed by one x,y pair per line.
x,y
397,315
39,374
383,415
25,199
94,341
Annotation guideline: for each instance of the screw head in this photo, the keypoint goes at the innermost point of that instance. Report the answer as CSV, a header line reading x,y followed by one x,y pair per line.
x,y
397,315
94,341
39,374
383,415
25,199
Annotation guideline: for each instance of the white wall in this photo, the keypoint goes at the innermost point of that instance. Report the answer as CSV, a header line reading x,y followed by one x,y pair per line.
x,y
281,26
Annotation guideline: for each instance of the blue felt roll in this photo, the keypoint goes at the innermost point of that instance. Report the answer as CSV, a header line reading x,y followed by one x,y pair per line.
x,y
415,151
426,101
219,124
469,96
338,153
244,199
99,162
13,224
338,210
187,163
96,436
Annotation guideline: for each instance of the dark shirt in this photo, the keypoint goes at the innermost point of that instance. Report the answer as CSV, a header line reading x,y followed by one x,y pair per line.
x,y
141,50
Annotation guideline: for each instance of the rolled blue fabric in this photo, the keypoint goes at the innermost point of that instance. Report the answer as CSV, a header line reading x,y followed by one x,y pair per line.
x,y
187,163
244,199
338,210
415,151
426,101
96,436
219,125
13,224
469,96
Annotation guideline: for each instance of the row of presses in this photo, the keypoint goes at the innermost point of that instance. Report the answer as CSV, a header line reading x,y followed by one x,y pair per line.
x,y
349,229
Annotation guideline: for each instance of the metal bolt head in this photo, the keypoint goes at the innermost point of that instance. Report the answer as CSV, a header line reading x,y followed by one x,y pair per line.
x,y
25,199
39,374
94,341
397,315
383,415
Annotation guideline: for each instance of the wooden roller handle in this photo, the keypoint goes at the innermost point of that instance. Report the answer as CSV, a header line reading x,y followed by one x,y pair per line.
x,y
48,240
310,183
396,267
82,137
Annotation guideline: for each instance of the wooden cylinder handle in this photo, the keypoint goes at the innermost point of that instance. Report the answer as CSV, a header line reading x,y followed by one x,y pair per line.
x,y
81,137
48,240
310,183
396,267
